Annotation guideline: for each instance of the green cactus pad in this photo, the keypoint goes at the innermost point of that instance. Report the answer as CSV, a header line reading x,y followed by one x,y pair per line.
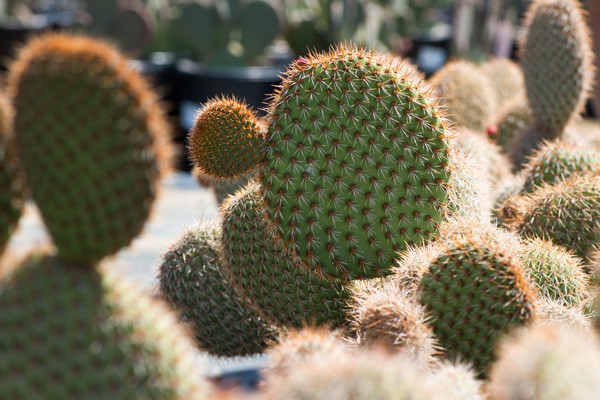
x,y
76,333
11,177
193,280
556,58
567,213
554,161
356,165
509,124
506,79
474,291
265,274
467,94
91,139
226,138
556,273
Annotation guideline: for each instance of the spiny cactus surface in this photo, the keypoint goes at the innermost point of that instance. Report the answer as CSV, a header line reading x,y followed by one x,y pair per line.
x,y
225,140
91,139
265,274
356,165
194,281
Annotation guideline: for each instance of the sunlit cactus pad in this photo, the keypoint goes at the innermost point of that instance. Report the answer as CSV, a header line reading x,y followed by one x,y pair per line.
x,y
91,139
356,165
226,138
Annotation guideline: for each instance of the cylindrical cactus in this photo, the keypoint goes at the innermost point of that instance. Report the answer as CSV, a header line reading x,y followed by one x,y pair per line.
x,y
92,141
194,281
226,139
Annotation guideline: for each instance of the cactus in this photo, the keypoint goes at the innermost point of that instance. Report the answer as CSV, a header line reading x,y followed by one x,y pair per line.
x,y
226,138
567,213
473,286
506,78
555,272
260,23
557,160
547,362
466,93
11,177
554,312
267,276
193,280
508,125
356,165
70,331
91,139
457,381
391,317
556,58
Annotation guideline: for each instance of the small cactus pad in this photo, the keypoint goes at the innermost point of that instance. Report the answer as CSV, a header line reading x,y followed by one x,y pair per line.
x,y
193,281
556,273
552,362
264,273
92,142
226,138
11,177
474,291
557,160
556,58
356,164
77,333
508,125
506,79
467,94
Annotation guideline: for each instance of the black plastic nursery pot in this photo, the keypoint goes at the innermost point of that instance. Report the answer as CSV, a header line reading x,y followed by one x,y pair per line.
x,y
198,83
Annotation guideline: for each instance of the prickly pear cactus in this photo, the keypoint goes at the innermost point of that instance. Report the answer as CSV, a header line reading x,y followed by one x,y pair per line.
x,y
557,160
265,274
92,140
508,125
356,163
556,58
566,213
226,139
11,177
194,281
71,332
506,79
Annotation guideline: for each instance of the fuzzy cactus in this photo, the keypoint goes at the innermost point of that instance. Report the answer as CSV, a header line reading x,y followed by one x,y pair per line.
x,y
467,94
509,124
265,274
193,280
556,273
567,213
90,137
356,164
473,287
11,177
92,140
557,160
506,79
548,362
226,138
386,315
556,58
